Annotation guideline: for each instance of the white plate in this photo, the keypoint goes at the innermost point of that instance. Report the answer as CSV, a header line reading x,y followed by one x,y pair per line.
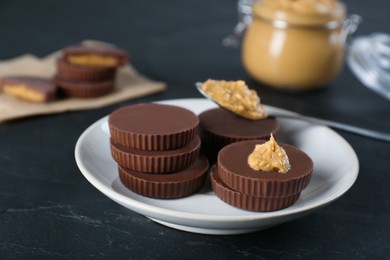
x,y
335,170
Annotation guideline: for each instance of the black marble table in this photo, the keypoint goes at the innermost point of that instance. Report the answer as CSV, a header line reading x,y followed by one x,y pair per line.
x,y
48,210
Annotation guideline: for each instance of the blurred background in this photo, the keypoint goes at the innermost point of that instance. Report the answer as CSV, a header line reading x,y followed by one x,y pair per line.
x,y
179,42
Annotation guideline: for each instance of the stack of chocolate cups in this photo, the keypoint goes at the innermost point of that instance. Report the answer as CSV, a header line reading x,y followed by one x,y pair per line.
x,y
157,149
237,184
87,72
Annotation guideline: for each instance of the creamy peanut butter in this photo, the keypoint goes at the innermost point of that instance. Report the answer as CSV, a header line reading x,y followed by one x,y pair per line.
x,y
295,44
236,97
23,92
93,59
269,157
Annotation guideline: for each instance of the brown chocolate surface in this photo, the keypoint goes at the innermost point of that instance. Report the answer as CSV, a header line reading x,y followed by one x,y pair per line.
x,y
44,88
120,54
210,153
156,161
220,127
76,72
84,89
151,126
167,186
247,202
236,173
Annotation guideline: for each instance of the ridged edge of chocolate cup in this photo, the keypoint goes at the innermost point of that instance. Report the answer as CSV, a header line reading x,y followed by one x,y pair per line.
x,y
150,142
246,202
162,190
265,187
155,164
70,71
269,188
81,89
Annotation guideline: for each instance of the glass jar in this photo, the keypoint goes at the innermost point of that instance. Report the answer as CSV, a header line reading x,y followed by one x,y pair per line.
x,y
294,44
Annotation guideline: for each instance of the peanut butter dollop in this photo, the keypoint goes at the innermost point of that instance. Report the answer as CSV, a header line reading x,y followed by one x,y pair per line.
x,y
269,157
236,97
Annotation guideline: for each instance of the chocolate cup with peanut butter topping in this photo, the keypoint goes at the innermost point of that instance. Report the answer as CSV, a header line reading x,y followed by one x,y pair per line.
x,y
235,182
75,72
32,89
236,173
95,56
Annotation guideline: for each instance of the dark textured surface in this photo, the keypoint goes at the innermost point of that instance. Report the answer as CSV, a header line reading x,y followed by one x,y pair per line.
x,y
48,210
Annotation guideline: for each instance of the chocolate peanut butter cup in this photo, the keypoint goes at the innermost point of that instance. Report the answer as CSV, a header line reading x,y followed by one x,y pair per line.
x,y
75,72
220,127
84,89
247,202
29,88
104,56
166,186
155,127
235,172
156,161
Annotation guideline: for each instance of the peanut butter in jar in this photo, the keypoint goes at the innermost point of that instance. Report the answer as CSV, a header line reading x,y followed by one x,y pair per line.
x,y
295,44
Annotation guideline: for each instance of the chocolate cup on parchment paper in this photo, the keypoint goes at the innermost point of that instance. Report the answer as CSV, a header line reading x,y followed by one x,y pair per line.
x,y
84,89
76,72
105,50
30,88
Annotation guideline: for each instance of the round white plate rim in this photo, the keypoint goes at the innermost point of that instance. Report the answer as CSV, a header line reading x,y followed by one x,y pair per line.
x,y
157,212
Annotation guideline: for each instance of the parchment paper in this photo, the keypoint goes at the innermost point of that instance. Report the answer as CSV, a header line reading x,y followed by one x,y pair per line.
x,y
129,84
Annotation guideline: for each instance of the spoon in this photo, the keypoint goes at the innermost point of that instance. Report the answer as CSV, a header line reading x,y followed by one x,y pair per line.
x,y
345,127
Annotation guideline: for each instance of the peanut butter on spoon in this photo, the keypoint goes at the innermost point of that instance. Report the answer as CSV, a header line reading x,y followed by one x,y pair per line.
x,y
236,97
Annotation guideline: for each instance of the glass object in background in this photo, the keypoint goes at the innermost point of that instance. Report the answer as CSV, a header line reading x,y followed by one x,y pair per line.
x,y
369,60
